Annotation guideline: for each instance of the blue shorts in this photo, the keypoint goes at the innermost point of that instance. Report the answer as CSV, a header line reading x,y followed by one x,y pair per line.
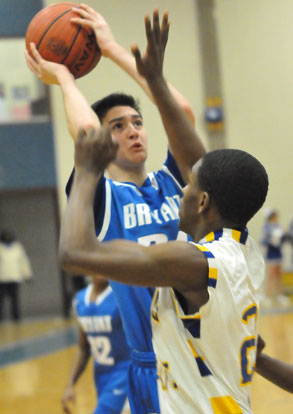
x,y
112,389
143,392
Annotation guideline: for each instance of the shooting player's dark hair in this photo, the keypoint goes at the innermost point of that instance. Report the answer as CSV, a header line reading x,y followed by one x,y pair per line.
x,y
102,106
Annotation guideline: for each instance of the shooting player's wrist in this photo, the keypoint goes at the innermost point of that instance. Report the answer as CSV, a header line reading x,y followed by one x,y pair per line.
x,y
63,75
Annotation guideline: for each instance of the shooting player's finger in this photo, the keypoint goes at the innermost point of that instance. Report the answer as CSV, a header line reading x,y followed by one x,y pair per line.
x,y
36,55
31,63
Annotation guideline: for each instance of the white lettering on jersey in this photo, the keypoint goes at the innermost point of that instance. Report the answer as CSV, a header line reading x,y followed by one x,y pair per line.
x,y
129,216
167,212
155,215
174,203
140,214
96,323
143,214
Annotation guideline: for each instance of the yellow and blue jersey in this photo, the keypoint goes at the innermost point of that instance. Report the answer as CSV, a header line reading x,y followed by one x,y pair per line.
x,y
205,361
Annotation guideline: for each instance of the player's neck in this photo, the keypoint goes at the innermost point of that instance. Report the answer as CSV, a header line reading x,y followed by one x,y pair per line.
x,y
209,222
135,175
212,225
97,290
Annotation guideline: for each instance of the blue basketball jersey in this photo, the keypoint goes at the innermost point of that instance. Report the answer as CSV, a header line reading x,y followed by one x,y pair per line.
x,y
147,215
101,322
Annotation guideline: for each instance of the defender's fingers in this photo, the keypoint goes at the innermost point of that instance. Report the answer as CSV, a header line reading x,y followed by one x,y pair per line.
x,y
156,24
136,53
165,29
111,141
115,146
80,136
92,133
148,30
107,133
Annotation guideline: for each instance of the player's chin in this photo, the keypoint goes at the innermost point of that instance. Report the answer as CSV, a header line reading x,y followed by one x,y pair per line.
x,y
139,156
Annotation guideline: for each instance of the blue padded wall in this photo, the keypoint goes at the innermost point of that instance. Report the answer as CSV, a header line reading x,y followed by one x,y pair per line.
x,y
27,158
15,16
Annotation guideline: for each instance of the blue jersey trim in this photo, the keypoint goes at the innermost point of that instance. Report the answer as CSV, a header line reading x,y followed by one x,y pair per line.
x,y
173,167
99,201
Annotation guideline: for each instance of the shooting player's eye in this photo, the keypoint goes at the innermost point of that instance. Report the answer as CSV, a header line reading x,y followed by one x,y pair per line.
x,y
138,122
117,126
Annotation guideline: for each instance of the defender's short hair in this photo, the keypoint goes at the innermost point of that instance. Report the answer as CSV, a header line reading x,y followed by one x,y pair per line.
x,y
236,182
102,106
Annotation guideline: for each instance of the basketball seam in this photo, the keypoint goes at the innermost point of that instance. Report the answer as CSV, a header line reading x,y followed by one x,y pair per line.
x,y
72,44
91,62
49,27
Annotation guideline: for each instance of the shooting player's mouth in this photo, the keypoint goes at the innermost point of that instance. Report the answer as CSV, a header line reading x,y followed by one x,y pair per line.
x,y
136,147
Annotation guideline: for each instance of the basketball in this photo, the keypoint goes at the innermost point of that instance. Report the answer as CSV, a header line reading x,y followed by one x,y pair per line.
x,y
62,41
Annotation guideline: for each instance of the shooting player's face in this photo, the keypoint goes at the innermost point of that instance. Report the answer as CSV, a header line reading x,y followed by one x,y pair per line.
x,y
127,129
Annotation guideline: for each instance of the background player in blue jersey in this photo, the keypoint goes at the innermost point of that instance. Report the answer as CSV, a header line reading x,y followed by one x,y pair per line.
x,y
100,335
131,204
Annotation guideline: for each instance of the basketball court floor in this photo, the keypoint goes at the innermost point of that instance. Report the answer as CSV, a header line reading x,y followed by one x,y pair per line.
x,y
36,355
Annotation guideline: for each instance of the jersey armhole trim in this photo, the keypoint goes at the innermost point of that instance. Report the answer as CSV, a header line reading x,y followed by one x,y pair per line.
x,y
167,171
107,211
213,270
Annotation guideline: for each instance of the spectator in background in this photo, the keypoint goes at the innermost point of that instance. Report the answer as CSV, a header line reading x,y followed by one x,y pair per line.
x,y
272,238
15,268
290,239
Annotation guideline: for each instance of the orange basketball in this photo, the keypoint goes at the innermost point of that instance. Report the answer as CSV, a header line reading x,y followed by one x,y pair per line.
x,y
59,40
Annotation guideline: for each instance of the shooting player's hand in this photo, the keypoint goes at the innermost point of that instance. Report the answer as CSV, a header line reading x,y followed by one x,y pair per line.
x,y
91,18
47,72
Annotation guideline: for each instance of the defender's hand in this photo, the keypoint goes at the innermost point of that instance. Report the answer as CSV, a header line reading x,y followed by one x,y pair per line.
x,y
94,150
151,64
260,346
